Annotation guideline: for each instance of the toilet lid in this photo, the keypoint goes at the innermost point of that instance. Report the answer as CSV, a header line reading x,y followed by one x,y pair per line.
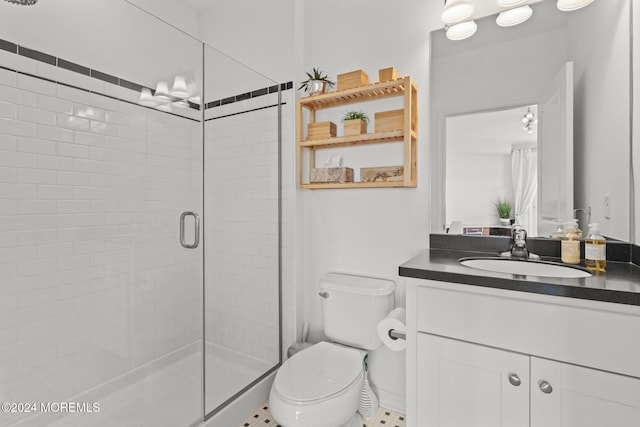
x,y
318,372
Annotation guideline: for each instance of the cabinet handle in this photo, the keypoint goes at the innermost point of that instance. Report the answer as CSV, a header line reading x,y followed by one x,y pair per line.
x,y
324,294
514,379
545,387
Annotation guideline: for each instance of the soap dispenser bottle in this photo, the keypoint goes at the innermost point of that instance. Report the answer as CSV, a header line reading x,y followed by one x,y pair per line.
x,y
595,249
570,245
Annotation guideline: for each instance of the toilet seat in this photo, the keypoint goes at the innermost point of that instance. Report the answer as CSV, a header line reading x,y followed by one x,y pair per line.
x,y
318,373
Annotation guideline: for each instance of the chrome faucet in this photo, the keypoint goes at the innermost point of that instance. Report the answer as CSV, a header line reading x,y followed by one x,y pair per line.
x,y
518,244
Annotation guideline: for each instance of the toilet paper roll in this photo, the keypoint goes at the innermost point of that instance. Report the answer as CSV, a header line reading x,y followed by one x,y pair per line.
x,y
394,320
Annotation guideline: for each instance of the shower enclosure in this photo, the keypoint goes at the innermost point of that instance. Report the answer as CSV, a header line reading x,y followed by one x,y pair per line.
x,y
139,230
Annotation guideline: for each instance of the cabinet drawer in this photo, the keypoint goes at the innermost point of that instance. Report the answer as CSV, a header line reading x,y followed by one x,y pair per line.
x,y
580,332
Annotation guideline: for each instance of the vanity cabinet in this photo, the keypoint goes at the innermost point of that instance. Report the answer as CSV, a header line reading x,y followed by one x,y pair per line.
x,y
481,357
466,384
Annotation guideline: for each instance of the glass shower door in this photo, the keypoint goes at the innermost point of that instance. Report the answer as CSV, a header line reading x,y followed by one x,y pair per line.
x,y
242,214
100,304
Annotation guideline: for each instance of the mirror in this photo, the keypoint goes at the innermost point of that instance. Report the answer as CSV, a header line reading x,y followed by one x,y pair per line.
x,y
500,68
491,147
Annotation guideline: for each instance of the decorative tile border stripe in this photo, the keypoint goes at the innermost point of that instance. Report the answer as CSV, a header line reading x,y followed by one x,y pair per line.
x,y
95,92
248,95
244,112
117,81
76,68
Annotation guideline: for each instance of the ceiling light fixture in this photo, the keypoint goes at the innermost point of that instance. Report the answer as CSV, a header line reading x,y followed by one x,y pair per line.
x,y
570,5
461,31
529,121
23,2
456,11
511,17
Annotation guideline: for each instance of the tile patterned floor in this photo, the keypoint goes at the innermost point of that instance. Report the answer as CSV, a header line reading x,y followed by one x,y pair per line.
x,y
262,417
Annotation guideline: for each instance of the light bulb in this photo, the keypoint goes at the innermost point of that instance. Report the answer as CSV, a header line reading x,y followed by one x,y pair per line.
x,y
511,17
570,5
461,31
456,11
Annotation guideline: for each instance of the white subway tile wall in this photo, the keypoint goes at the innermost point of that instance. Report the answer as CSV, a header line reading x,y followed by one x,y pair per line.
x,y
241,208
93,280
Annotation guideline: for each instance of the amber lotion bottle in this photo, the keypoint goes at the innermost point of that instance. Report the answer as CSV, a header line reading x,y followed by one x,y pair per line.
x,y
595,249
570,245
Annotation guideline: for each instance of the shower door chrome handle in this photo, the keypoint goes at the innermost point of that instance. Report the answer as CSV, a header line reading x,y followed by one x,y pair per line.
x,y
196,241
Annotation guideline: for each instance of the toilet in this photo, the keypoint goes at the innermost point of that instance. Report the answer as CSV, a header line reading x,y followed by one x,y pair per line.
x,y
321,386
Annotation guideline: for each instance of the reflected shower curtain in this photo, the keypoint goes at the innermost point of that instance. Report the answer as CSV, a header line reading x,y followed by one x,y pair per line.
x,y
524,171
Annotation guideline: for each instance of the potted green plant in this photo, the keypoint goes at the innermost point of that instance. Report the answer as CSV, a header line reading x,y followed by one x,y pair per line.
x,y
355,123
504,211
316,83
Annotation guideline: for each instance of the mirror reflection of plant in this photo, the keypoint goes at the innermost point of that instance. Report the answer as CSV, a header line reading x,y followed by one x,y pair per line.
x,y
355,115
315,75
504,208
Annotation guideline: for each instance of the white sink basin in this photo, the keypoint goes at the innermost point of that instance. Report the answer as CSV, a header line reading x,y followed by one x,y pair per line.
x,y
525,268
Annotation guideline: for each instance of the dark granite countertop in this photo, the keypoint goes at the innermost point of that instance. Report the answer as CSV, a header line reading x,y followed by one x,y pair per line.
x,y
619,284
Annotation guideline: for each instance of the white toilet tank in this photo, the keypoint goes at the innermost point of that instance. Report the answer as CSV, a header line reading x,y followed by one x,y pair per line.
x,y
352,307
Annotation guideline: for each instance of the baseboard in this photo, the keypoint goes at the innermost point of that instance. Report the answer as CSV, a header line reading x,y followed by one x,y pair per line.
x,y
395,402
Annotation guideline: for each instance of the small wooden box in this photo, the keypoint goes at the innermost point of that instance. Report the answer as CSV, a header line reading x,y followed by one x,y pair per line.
x,y
321,130
386,121
340,174
386,74
382,174
355,127
352,80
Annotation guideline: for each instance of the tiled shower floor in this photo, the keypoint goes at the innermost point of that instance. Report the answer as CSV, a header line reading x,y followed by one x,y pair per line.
x,y
261,417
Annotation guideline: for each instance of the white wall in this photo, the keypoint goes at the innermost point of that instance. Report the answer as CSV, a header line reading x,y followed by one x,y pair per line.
x,y
174,13
368,231
257,33
472,201
599,47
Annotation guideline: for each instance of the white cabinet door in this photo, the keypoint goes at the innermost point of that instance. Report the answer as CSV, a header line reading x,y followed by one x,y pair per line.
x,y
581,397
460,384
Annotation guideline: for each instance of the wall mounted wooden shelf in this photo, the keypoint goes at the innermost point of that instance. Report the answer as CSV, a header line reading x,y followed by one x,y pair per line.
x,y
402,87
